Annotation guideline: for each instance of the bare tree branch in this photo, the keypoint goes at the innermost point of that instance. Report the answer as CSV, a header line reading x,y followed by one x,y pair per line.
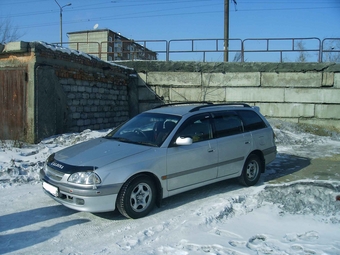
x,y
303,56
8,32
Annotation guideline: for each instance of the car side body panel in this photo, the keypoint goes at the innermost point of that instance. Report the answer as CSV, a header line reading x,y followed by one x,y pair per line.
x,y
188,165
233,151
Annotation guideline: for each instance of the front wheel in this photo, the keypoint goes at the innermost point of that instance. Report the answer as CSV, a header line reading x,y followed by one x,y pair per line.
x,y
137,197
251,171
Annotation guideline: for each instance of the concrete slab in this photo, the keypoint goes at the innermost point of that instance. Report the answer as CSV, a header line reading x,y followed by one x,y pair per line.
x,y
291,79
284,110
232,79
337,80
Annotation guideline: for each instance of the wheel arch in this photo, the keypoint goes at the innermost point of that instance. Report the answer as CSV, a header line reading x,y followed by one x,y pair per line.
x,y
261,156
154,178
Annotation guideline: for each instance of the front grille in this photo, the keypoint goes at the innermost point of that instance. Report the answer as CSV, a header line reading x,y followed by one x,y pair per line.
x,y
54,174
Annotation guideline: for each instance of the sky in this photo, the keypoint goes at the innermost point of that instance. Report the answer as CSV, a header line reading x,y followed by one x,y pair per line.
x,y
39,20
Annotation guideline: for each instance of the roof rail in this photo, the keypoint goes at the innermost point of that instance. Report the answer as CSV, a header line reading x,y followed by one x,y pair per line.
x,y
213,105
185,103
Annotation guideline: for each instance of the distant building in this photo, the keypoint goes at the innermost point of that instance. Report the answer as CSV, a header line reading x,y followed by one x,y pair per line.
x,y
108,45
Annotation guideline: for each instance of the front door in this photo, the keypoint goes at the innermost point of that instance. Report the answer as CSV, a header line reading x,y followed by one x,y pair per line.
x,y
196,163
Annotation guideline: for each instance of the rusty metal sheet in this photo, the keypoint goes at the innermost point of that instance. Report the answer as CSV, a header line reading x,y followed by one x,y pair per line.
x,y
13,103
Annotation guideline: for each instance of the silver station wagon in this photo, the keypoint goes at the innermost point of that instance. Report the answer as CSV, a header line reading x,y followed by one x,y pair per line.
x,y
159,153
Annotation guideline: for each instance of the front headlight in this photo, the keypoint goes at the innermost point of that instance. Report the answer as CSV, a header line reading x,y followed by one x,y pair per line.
x,y
88,178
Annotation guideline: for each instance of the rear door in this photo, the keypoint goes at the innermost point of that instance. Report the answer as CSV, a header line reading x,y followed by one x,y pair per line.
x,y
233,143
262,134
196,163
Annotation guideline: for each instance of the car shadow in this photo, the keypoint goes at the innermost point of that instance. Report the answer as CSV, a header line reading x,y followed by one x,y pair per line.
x,y
17,241
221,187
113,215
30,217
283,165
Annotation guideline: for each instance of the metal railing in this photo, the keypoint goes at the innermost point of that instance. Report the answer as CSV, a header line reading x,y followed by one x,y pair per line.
x,y
93,48
212,50
202,46
330,50
288,45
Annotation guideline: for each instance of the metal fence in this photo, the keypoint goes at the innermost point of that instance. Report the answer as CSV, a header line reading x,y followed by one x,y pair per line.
x,y
212,50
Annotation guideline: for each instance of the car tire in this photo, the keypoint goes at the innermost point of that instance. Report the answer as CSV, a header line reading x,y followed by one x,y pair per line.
x,y
252,169
137,197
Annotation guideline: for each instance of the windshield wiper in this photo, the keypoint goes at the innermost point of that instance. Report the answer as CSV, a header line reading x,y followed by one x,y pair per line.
x,y
146,143
125,140
121,139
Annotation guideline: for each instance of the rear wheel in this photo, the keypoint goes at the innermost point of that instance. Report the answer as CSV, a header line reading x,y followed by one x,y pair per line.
x,y
137,197
251,171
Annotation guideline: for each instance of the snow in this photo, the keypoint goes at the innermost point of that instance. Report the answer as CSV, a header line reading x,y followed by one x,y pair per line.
x,y
300,217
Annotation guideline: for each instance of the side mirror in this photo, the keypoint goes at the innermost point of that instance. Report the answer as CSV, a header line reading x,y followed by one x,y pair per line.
x,y
183,141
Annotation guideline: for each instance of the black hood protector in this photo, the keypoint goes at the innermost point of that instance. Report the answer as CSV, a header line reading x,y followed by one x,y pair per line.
x,y
67,169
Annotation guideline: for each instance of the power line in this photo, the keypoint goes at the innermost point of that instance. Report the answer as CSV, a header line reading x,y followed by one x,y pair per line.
x,y
151,13
77,9
123,16
111,4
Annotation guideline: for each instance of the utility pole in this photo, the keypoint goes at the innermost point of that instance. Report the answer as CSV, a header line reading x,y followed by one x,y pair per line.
x,y
226,29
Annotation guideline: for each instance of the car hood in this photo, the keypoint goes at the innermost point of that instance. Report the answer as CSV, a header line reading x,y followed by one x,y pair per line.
x,y
98,152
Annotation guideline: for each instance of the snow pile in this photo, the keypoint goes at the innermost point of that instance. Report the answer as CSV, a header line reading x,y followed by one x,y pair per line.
x,y
55,47
20,162
292,139
315,198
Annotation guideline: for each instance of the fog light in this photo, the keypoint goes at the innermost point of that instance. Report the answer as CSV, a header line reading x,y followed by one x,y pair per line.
x,y
80,201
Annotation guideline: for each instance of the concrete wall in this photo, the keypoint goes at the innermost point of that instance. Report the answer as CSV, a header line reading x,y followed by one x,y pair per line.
x,y
299,92
67,91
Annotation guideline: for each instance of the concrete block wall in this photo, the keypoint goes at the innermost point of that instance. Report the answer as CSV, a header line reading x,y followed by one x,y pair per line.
x,y
299,92
95,105
96,92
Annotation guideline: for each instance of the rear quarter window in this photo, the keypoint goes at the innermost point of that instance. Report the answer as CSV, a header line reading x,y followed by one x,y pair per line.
x,y
251,120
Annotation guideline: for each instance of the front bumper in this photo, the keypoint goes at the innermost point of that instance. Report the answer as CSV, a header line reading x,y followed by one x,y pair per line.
x,y
82,198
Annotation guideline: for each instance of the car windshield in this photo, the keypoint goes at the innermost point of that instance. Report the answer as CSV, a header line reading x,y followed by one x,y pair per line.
x,y
147,129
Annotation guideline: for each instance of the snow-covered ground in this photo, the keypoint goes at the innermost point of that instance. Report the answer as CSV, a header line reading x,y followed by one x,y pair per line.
x,y
301,217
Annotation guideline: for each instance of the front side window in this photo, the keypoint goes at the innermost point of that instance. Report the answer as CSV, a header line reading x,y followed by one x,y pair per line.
x,y
198,128
148,129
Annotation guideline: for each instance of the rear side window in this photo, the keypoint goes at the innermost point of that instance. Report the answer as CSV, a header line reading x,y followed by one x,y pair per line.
x,y
227,123
251,120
